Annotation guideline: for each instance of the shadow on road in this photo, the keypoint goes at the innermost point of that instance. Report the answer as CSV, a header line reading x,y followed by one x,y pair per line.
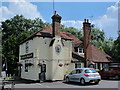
x,y
78,84
111,79
24,81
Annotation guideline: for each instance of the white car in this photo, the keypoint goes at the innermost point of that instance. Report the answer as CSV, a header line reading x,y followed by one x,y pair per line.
x,y
83,75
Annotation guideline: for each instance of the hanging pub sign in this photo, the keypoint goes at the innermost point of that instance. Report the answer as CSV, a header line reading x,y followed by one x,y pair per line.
x,y
26,56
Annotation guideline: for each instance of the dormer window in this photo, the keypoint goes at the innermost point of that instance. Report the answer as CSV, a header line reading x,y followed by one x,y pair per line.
x,y
80,50
26,47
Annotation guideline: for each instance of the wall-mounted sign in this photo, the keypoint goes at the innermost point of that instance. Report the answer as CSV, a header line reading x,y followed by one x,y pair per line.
x,y
26,56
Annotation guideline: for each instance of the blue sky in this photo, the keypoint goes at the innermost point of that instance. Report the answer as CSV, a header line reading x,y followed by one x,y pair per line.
x,y
102,14
73,10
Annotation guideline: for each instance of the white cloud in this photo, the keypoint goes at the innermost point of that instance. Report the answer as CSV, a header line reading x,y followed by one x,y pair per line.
x,y
109,21
23,7
73,23
5,13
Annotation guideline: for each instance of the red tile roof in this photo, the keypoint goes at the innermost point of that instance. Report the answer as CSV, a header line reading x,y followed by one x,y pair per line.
x,y
47,29
76,57
47,32
97,55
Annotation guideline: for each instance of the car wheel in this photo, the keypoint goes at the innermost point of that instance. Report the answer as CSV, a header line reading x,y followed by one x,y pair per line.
x,y
67,79
117,77
82,81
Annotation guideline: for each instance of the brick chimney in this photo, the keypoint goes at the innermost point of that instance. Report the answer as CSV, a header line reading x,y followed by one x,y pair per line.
x,y
56,20
87,40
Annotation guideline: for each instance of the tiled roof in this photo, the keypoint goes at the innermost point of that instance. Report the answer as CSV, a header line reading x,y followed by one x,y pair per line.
x,y
76,57
47,32
97,55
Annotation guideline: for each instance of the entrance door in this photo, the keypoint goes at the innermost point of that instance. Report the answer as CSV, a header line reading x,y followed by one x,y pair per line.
x,y
42,75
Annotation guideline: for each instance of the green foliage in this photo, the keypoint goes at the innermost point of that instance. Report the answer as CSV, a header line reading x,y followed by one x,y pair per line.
x,y
72,30
97,37
15,30
108,46
101,48
116,49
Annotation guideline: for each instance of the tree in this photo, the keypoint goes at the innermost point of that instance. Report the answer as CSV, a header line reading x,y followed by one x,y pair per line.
x,y
108,45
116,49
74,31
15,30
97,37
101,42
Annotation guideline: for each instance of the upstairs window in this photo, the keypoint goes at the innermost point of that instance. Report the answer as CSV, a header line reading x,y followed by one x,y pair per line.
x,y
80,50
27,47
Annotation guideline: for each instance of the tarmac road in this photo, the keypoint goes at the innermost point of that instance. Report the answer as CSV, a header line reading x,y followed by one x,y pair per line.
x,y
62,84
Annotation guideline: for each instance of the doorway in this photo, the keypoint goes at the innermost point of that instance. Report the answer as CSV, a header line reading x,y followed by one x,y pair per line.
x,y
42,74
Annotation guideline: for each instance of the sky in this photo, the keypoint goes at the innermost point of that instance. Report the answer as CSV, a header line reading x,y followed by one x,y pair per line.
x,y
104,15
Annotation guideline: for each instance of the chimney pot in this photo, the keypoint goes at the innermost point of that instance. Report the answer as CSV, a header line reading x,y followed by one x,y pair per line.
x,y
54,12
87,21
84,20
56,19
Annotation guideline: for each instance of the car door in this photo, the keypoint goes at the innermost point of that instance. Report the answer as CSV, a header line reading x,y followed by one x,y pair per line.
x,y
72,75
77,75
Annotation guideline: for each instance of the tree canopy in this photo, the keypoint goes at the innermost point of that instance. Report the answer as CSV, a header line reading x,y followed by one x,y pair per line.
x,y
15,30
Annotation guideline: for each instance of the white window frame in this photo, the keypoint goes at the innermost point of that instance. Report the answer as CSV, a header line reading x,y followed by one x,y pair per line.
x,y
27,47
80,50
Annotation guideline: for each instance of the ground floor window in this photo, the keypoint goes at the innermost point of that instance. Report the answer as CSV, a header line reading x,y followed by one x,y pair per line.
x,y
43,68
105,65
77,65
91,66
26,66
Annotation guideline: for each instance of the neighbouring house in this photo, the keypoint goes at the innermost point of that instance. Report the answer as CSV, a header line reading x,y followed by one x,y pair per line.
x,y
49,54
93,56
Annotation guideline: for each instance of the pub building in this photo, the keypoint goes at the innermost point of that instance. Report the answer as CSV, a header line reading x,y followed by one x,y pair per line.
x,y
50,54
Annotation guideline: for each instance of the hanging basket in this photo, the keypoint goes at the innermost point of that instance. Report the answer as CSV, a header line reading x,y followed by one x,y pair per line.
x,y
40,64
30,64
60,64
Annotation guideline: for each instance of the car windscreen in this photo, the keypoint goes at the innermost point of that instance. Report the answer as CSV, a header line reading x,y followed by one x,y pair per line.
x,y
90,71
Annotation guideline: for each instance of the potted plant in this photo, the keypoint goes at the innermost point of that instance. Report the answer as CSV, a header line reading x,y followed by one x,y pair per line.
x,y
40,64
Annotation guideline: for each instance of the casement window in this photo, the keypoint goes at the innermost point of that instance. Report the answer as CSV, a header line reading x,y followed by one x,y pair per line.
x,y
77,65
27,47
80,50
26,66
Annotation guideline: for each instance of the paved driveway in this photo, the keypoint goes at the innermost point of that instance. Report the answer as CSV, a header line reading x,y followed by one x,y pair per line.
x,y
61,84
